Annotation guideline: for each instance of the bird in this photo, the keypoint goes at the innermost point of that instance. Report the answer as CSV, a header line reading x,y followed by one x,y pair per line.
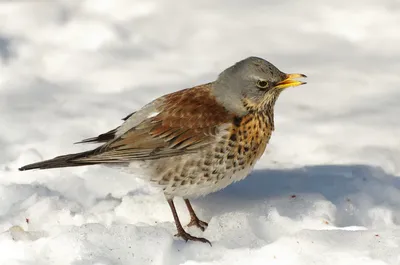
x,y
194,141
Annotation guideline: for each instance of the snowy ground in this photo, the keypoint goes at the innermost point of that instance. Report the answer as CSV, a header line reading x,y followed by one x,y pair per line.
x,y
327,191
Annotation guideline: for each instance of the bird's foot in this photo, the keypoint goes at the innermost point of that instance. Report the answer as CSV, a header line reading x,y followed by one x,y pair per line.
x,y
186,236
194,221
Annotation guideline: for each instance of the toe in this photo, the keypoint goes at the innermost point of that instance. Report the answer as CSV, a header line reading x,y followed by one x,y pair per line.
x,y
186,236
200,224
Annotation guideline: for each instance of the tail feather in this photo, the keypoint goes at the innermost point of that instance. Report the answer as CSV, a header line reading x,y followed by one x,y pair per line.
x,y
71,160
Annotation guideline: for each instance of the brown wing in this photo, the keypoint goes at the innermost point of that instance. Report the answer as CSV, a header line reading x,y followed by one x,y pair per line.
x,y
187,120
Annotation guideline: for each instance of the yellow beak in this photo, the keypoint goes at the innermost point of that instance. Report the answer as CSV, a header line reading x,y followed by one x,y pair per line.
x,y
289,81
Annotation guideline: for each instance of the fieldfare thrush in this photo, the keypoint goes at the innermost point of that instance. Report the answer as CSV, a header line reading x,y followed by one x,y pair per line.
x,y
197,140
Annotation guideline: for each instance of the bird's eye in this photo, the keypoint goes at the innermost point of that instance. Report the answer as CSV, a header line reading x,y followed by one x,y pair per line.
x,y
262,84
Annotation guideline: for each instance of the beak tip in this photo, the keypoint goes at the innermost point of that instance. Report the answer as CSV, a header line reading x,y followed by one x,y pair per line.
x,y
290,81
290,76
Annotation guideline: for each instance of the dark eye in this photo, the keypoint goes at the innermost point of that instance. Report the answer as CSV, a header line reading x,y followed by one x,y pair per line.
x,y
262,84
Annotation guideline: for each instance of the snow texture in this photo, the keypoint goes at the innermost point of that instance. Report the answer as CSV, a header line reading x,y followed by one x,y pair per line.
x,y
327,190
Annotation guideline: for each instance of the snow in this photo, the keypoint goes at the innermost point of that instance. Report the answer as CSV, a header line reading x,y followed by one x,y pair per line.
x,y
327,191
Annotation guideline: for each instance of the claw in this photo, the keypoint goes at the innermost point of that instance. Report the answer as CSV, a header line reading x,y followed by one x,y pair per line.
x,y
199,223
186,236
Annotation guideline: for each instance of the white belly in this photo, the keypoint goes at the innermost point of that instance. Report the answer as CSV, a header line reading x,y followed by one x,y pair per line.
x,y
198,190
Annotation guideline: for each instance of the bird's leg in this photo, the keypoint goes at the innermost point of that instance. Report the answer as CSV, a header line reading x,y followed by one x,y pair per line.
x,y
194,220
181,232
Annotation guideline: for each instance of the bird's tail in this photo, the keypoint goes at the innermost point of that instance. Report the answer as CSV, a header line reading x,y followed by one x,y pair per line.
x,y
71,160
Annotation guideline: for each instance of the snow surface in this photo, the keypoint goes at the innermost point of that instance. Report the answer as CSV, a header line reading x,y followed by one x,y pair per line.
x,y
327,191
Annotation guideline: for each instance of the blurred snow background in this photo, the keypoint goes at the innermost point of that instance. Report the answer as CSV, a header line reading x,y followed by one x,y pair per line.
x,y
327,191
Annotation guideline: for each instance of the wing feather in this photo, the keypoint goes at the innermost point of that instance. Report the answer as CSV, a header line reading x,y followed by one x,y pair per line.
x,y
186,121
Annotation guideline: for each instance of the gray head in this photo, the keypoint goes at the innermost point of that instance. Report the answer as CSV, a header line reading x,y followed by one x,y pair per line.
x,y
252,84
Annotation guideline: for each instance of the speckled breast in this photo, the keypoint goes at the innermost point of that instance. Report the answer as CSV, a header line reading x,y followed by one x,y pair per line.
x,y
228,160
248,139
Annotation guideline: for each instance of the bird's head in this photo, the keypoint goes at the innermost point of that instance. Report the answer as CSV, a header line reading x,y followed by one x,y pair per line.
x,y
252,84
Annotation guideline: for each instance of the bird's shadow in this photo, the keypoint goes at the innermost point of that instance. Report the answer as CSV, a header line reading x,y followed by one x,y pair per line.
x,y
351,189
